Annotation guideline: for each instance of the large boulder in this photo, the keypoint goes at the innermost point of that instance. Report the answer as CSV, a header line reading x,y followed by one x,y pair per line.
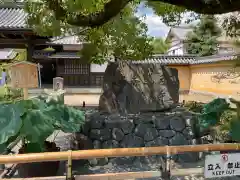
x,y
133,88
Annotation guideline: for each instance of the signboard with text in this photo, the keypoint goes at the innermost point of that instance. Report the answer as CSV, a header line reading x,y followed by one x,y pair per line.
x,y
24,75
222,165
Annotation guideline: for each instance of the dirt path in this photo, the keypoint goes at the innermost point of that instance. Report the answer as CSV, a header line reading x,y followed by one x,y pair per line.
x,y
77,99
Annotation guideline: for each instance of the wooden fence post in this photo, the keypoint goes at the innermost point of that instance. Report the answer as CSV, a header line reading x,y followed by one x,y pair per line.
x,y
166,166
69,175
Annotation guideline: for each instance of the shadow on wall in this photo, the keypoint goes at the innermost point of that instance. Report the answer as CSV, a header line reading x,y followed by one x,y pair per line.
x,y
232,75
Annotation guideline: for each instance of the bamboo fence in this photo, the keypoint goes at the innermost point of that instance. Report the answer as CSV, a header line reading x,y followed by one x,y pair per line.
x,y
119,152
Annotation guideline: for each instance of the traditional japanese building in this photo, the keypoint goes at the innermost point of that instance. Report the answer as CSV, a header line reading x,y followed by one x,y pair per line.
x,y
62,61
66,62
177,36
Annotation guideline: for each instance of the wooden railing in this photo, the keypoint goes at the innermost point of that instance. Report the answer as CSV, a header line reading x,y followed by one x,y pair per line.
x,y
119,152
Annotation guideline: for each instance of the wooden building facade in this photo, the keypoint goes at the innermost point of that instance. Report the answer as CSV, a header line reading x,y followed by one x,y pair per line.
x,y
64,61
69,65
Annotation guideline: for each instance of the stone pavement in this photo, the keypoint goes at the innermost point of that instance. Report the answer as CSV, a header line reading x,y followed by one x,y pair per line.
x,y
77,99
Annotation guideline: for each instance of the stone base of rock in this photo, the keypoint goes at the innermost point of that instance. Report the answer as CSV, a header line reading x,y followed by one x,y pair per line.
x,y
171,128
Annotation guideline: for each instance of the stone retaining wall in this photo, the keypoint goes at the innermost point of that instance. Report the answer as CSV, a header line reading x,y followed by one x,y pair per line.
x,y
139,130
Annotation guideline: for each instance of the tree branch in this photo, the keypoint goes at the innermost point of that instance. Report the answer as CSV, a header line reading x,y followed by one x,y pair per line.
x,y
114,7
206,6
110,10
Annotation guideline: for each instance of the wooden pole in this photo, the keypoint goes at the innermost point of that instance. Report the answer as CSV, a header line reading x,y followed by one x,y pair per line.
x,y
39,75
119,152
25,93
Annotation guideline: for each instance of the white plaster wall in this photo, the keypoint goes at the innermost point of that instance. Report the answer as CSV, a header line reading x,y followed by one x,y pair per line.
x,y
72,47
177,49
98,68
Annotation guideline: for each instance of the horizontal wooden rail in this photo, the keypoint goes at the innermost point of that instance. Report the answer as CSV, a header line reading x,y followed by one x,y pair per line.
x,y
119,152
122,175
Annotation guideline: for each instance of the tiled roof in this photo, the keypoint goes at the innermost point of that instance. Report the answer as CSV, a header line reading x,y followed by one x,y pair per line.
x,y
68,40
15,18
66,55
12,18
166,59
186,60
215,58
7,54
162,59
181,31
37,54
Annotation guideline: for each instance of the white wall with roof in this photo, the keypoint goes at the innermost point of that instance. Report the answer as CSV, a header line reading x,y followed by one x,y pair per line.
x,y
176,36
177,49
96,68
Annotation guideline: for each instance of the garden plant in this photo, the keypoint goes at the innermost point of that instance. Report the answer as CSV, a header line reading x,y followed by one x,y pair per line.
x,y
34,120
220,117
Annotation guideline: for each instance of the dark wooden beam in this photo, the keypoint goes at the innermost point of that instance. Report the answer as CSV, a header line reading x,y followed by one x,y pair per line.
x,y
24,31
30,49
40,47
16,31
13,46
22,41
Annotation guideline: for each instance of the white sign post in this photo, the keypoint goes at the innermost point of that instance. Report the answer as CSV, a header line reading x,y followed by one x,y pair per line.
x,y
222,165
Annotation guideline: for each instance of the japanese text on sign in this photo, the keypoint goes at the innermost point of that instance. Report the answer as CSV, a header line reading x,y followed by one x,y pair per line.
x,y
24,75
222,165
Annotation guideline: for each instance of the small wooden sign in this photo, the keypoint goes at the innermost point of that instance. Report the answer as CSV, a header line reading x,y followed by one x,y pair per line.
x,y
24,75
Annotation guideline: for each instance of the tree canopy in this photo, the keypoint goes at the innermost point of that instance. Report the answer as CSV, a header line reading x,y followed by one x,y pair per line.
x,y
160,46
111,25
203,39
92,13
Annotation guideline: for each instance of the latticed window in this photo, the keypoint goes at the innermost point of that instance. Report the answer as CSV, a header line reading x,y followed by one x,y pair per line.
x,y
73,66
97,80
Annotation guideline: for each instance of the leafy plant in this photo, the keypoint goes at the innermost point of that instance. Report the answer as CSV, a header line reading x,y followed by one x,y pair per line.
x,y
221,130
160,46
8,94
36,119
218,114
194,106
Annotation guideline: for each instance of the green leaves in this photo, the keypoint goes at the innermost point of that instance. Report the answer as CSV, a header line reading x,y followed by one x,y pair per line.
x,y
235,129
172,15
217,105
124,36
203,39
211,113
66,119
160,46
37,126
36,119
10,122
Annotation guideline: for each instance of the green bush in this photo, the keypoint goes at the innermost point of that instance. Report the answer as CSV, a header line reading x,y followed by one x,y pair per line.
x,y
214,115
224,127
194,106
7,93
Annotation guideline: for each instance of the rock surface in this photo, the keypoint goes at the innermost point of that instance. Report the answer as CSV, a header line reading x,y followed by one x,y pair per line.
x,y
139,130
133,88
